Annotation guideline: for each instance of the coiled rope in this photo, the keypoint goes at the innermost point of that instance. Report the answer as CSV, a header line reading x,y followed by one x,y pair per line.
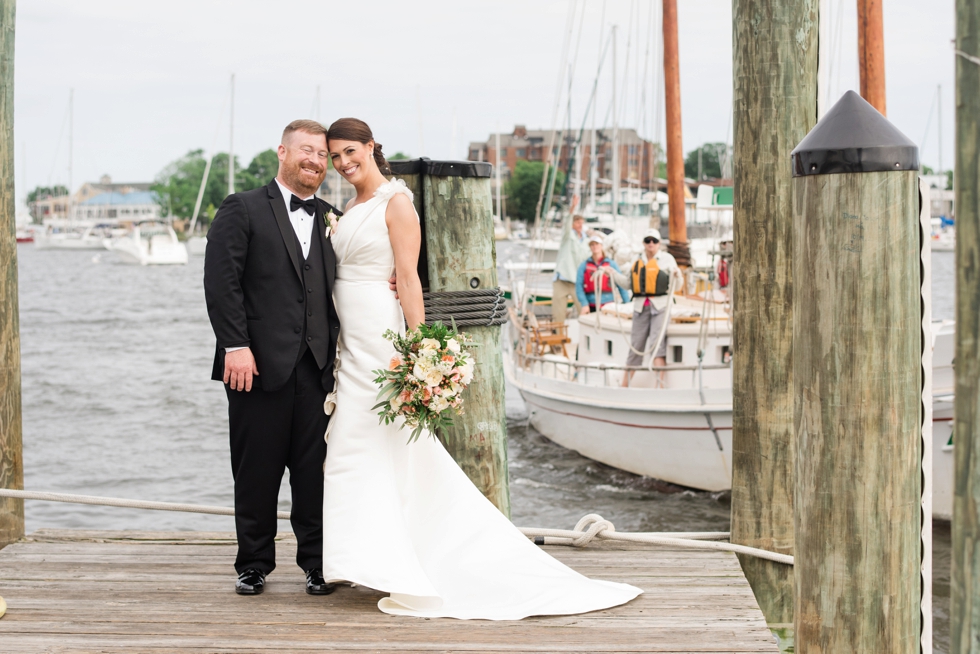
x,y
484,307
589,528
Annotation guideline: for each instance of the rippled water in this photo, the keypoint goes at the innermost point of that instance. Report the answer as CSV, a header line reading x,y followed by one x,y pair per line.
x,y
118,401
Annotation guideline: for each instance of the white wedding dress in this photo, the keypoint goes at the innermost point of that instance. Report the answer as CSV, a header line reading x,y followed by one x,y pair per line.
x,y
404,518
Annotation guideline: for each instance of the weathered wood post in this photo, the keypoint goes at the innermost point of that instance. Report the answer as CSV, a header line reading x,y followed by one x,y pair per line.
x,y
857,357
775,105
11,450
965,613
459,254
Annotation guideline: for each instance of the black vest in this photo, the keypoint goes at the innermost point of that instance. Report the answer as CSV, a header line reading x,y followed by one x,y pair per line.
x,y
316,334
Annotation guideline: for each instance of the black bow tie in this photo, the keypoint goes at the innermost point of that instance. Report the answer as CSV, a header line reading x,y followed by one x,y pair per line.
x,y
309,205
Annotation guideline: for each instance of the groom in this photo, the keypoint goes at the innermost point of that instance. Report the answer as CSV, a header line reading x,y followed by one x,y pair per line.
x,y
268,276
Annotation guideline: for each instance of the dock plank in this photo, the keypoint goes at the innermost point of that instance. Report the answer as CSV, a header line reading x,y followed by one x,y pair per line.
x,y
88,591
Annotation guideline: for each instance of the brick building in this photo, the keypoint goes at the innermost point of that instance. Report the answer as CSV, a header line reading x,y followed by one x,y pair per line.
x,y
636,155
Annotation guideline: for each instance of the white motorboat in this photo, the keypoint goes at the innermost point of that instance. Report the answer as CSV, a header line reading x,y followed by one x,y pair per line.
x,y
79,237
197,245
681,431
151,242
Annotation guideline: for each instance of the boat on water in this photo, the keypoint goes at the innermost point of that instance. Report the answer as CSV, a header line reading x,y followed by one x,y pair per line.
x,y
25,235
150,242
197,245
84,236
672,423
942,238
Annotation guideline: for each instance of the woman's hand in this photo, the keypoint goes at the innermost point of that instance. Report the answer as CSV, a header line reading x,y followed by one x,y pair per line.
x,y
584,312
406,241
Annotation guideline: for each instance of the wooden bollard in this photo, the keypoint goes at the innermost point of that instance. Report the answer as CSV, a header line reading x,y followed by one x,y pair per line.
x,y
857,372
775,75
11,448
453,200
965,578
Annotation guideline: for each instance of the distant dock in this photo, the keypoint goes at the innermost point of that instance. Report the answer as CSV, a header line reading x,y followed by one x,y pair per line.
x,y
116,591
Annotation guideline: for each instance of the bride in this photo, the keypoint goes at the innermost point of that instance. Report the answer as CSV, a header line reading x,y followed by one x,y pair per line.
x,y
404,518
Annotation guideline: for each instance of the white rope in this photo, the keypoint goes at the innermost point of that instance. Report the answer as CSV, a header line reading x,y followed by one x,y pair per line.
x,y
589,528
126,504
594,526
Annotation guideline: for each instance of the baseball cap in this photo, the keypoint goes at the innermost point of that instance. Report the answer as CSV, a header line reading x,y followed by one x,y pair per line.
x,y
655,233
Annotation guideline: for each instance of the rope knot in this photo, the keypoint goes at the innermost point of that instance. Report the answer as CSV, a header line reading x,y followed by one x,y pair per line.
x,y
589,528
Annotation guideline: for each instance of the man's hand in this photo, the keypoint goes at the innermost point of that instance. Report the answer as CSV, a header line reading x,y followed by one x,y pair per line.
x,y
239,369
393,284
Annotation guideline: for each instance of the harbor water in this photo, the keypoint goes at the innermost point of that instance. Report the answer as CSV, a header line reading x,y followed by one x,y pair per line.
x,y
118,401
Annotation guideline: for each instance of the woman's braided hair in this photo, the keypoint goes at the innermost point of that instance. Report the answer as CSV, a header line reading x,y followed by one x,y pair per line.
x,y
354,129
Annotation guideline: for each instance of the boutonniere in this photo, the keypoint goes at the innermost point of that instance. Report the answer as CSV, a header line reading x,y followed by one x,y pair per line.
x,y
331,221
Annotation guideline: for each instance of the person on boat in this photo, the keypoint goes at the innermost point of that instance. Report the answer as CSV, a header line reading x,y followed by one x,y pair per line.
x,y
596,270
650,280
574,249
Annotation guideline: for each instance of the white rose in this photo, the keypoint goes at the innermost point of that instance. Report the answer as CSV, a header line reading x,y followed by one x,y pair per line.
x,y
466,373
420,370
453,345
430,344
433,377
439,404
396,403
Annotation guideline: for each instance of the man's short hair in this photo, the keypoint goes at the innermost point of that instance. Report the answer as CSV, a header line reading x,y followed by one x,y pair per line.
x,y
303,125
578,216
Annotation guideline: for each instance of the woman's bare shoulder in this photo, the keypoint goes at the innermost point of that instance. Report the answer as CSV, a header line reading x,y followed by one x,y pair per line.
x,y
400,208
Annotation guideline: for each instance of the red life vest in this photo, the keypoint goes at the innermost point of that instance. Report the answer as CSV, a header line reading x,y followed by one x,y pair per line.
x,y
589,282
723,273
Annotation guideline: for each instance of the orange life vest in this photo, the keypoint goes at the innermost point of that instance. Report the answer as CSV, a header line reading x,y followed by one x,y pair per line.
x,y
649,279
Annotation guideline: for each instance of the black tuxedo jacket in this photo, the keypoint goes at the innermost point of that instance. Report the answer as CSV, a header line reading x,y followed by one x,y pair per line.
x,y
254,286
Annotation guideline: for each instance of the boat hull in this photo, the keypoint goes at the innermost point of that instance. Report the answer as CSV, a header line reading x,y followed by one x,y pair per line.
x,y
662,434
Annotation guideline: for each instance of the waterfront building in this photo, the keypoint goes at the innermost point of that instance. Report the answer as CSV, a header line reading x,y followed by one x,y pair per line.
x,y
637,156
117,207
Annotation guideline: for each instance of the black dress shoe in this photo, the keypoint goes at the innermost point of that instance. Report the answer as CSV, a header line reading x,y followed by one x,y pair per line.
x,y
315,585
250,582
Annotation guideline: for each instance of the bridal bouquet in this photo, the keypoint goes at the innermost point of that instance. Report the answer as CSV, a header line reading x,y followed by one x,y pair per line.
x,y
425,379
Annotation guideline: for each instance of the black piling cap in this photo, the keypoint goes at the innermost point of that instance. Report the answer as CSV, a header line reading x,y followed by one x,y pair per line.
x,y
853,138
425,166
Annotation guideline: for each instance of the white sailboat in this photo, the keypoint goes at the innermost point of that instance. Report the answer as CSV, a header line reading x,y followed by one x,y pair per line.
x,y
151,242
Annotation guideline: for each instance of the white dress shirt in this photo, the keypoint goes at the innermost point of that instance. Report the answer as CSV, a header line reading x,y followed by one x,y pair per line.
x,y
302,223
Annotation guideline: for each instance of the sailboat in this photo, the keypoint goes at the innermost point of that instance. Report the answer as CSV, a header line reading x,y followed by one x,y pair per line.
x,y
197,245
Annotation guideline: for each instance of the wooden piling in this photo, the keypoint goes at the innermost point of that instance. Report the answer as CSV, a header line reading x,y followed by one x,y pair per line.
x,y
965,591
11,448
775,105
454,202
857,354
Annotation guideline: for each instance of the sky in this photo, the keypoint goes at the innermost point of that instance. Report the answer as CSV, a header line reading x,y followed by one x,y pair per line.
x,y
151,80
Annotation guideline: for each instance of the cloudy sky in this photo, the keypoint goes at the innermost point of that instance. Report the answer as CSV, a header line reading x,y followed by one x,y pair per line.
x,y
151,80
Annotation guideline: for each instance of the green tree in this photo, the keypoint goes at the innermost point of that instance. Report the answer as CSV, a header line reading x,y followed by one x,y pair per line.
x,y
710,161
260,171
398,156
524,188
178,183
42,192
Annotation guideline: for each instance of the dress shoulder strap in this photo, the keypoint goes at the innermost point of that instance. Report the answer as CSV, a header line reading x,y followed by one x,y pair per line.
x,y
392,188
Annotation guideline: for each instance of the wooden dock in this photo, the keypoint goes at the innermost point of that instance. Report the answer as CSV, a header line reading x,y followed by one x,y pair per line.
x,y
115,591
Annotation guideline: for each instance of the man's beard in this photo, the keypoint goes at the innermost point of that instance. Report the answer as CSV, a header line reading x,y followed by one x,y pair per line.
x,y
294,178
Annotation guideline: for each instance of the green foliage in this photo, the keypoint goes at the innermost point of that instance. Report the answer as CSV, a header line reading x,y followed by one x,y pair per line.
x,y
42,192
949,180
260,172
927,170
398,156
177,184
711,154
524,188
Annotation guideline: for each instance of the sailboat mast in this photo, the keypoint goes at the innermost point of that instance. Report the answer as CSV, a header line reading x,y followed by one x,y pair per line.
x,y
675,153
593,163
496,166
939,100
71,149
615,138
871,53
231,140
